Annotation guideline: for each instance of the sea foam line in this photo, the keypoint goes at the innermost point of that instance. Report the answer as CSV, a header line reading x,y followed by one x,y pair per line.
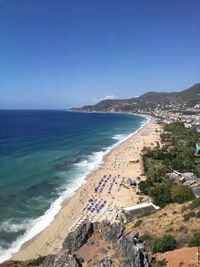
x,y
36,226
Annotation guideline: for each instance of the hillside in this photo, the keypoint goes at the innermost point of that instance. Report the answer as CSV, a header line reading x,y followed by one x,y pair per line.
x,y
150,100
172,220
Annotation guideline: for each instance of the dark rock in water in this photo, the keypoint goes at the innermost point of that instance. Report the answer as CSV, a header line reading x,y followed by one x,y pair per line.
x,y
63,259
79,237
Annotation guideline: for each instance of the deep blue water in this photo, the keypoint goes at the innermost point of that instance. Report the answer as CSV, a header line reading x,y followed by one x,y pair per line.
x,y
45,155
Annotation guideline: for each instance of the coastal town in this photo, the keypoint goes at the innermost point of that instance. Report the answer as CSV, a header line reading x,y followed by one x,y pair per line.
x,y
189,116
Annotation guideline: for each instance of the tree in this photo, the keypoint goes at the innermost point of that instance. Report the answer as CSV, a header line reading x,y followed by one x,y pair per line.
x,y
165,243
144,187
181,193
161,194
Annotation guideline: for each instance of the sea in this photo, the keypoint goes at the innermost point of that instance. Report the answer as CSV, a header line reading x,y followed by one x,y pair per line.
x,y
44,158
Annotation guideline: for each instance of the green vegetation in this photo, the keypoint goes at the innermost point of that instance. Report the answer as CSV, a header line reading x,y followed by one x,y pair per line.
x,y
197,166
145,214
37,262
189,215
159,263
138,223
194,240
178,154
194,210
128,216
163,244
167,192
182,228
161,194
146,237
195,203
181,193
197,214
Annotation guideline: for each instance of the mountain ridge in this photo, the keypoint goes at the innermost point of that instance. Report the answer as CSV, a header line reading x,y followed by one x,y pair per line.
x,y
150,100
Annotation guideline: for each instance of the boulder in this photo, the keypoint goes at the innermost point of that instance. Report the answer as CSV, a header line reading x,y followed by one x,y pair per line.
x,y
62,259
79,237
129,253
107,262
109,232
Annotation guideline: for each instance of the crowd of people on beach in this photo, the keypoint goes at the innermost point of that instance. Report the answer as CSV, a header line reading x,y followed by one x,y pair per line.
x,y
97,208
104,202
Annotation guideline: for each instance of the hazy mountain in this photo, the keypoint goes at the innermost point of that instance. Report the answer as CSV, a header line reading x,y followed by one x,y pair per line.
x,y
150,100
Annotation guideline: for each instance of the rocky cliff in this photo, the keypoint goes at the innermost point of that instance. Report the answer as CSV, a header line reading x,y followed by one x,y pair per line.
x,y
99,244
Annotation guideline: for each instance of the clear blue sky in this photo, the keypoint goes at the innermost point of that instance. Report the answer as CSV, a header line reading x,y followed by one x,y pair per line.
x,y
64,53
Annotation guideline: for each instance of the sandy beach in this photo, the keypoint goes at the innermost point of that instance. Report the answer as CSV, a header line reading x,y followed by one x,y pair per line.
x,y
101,197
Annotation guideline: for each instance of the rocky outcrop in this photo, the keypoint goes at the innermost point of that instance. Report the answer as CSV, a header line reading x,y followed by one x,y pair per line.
x,y
130,250
109,232
63,259
80,236
85,245
29,263
99,244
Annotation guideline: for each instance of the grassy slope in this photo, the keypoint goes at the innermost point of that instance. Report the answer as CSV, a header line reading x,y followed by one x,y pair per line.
x,y
169,220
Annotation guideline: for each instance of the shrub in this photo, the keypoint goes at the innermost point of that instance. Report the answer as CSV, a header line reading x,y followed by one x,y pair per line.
x,y
182,228
138,223
189,215
169,230
165,243
195,203
194,240
181,193
144,187
146,237
145,214
161,194
184,208
197,215
37,262
159,263
128,216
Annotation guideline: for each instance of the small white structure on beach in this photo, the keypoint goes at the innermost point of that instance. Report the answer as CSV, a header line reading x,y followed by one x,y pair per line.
x,y
141,208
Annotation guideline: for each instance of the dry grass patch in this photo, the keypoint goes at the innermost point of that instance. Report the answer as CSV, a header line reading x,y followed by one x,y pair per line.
x,y
168,220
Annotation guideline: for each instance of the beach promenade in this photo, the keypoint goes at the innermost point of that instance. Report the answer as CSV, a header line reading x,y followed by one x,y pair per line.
x,y
106,190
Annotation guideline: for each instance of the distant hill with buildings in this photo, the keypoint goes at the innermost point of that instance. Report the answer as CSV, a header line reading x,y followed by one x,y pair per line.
x,y
149,101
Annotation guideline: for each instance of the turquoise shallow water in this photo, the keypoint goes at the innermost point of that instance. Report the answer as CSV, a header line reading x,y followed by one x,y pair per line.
x,y
44,157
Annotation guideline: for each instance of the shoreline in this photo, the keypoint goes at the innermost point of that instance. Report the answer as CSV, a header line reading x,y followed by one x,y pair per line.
x,y
58,227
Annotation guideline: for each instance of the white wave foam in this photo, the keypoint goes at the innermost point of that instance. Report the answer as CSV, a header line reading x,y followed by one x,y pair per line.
x,y
119,137
34,227
8,226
